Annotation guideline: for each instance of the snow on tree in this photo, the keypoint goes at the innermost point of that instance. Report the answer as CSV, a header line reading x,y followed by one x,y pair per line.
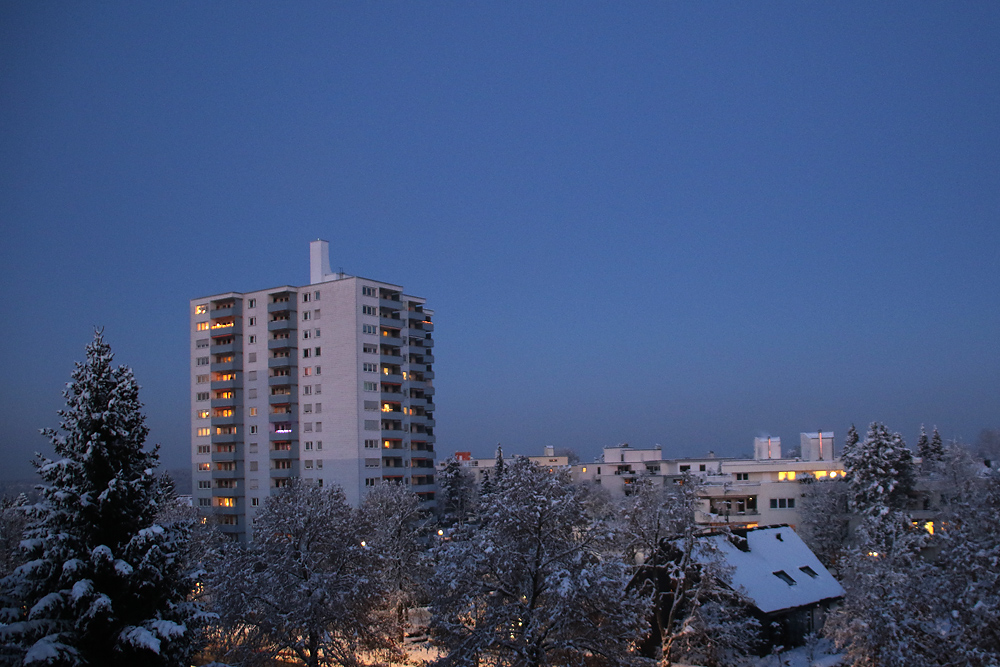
x,y
457,492
885,619
500,467
697,616
824,523
102,582
931,452
967,587
540,582
13,519
396,529
306,587
879,471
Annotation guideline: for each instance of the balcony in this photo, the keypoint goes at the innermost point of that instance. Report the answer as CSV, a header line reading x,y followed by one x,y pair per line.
x,y
282,306
236,383
280,362
232,492
235,455
390,337
282,454
220,329
230,309
282,343
393,358
281,399
417,401
287,433
228,348
391,378
392,304
286,472
428,374
280,381
224,366
428,390
226,438
235,473
280,417
392,462
281,325
417,367
237,399
228,420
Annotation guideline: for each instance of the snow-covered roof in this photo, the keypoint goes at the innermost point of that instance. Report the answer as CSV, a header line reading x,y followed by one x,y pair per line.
x,y
778,571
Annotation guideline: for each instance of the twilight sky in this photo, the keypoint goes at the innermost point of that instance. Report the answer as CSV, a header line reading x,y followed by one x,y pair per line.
x,y
675,223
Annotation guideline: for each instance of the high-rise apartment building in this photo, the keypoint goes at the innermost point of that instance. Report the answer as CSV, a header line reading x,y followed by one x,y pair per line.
x,y
331,382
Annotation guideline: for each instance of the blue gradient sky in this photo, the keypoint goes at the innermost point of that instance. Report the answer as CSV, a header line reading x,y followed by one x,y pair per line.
x,y
675,223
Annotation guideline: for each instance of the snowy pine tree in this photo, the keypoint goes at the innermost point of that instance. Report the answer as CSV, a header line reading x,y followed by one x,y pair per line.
x,y
541,582
879,471
457,495
103,584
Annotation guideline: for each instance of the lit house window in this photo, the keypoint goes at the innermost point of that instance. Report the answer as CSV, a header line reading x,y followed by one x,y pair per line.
x,y
786,476
201,326
205,431
202,414
201,309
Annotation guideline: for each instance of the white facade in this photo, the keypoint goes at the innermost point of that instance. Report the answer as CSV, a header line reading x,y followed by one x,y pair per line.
x,y
331,382
737,492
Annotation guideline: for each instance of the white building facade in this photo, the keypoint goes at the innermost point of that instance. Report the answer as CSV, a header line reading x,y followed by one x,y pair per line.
x,y
331,382
745,493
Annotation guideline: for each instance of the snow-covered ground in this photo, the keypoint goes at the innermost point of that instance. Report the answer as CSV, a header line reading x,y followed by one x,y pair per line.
x,y
820,653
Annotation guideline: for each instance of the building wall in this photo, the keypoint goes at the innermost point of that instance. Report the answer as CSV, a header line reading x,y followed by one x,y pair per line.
x,y
291,382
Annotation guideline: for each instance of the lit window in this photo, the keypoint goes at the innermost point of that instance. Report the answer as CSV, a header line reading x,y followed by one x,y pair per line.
x,y
205,431
820,474
227,502
202,414
201,310
253,412
783,476
204,466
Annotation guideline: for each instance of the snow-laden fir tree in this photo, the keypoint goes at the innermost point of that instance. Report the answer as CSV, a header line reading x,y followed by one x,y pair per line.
x,y
541,582
886,619
697,615
966,591
103,583
930,451
306,589
824,520
457,493
879,470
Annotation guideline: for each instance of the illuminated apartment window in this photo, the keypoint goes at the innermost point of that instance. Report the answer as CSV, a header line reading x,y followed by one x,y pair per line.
x,y
253,412
786,476
205,431
202,414
204,466
227,502
201,310
201,326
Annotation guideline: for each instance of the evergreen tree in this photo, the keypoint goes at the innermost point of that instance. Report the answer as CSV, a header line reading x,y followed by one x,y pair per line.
x,y
931,452
498,470
879,471
103,583
457,492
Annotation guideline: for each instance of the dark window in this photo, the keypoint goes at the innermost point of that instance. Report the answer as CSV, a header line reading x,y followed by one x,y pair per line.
x,y
781,574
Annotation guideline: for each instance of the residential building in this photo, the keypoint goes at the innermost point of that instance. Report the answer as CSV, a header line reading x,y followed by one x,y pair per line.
x,y
331,382
738,492
482,467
